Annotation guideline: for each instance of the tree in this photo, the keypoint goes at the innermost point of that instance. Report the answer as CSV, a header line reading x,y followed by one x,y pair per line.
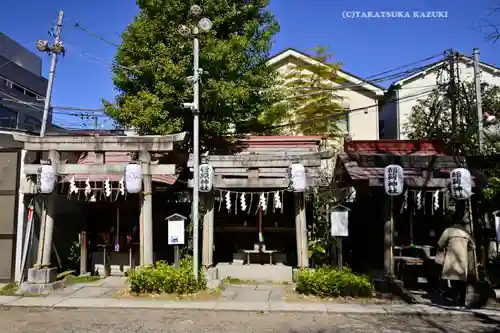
x,y
310,96
154,61
431,118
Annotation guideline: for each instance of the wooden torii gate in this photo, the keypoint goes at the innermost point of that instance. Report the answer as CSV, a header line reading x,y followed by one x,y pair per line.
x,y
55,145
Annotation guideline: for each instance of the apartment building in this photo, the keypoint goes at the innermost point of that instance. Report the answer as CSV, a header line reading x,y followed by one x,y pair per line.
x,y
21,86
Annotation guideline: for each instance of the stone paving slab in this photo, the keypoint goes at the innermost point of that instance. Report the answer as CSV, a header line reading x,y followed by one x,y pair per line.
x,y
89,292
7,299
97,283
257,306
241,286
297,307
252,295
67,291
227,295
268,287
242,306
117,303
277,295
48,301
113,281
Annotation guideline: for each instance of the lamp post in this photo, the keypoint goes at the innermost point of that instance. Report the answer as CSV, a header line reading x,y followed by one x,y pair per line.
x,y
203,24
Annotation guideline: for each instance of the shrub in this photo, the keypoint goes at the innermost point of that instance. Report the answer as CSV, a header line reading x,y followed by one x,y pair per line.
x,y
329,282
164,278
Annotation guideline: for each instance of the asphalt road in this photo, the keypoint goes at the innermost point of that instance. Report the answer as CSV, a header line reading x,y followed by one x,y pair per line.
x,y
24,320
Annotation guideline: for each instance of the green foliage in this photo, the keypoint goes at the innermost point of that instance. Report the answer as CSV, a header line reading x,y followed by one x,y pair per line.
x,y
431,118
64,274
10,289
319,230
329,282
153,62
310,95
164,278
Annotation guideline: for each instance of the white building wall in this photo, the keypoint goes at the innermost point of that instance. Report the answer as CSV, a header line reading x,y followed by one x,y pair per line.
x,y
421,87
363,124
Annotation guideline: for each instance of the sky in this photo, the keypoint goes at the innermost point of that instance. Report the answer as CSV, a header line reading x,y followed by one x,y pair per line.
x,y
365,46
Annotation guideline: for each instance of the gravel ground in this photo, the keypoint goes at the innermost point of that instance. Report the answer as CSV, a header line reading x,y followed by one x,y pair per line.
x,y
22,320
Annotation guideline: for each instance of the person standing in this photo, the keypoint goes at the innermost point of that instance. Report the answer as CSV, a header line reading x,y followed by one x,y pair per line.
x,y
457,243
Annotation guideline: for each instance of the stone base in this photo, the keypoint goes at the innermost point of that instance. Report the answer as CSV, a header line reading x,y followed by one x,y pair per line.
x,y
212,277
42,275
391,288
255,272
40,288
41,281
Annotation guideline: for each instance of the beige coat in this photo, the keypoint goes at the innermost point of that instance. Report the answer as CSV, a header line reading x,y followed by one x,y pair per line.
x,y
458,263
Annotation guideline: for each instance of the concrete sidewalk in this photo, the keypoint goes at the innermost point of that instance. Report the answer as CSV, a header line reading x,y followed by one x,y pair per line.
x,y
245,297
256,306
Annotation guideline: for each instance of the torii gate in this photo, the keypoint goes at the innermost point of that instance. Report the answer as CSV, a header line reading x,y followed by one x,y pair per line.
x,y
43,277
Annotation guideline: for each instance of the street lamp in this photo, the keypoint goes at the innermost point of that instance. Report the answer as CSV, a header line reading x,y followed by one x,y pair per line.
x,y
204,24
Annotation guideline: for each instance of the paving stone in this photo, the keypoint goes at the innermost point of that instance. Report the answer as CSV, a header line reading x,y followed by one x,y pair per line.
x,y
7,299
113,281
238,288
355,308
227,295
267,287
277,295
36,301
67,291
253,295
242,306
89,292
110,294
243,286
297,307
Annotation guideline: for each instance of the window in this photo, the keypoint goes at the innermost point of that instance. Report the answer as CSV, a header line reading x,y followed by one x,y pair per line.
x,y
32,124
8,117
18,88
29,93
381,129
6,83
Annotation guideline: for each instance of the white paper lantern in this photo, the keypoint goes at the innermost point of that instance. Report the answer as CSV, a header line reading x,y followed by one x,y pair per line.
x,y
48,179
298,177
461,184
206,178
393,180
133,178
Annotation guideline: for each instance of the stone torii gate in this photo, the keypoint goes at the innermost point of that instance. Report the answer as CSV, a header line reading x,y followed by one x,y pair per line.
x,y
42,277
261,171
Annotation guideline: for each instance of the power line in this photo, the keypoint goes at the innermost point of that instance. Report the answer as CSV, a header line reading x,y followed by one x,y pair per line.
x,y
78,26
57,111
407,65
95,60
347,112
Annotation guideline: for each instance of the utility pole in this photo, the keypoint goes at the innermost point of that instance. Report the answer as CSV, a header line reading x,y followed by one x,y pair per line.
x,y
452,95
204,24
56,48
479,101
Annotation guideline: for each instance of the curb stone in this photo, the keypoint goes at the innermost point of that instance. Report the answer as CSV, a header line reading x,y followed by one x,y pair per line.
x,y
265,307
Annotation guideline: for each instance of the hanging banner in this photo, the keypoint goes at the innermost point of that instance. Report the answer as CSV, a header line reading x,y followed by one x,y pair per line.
x,y
339,223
